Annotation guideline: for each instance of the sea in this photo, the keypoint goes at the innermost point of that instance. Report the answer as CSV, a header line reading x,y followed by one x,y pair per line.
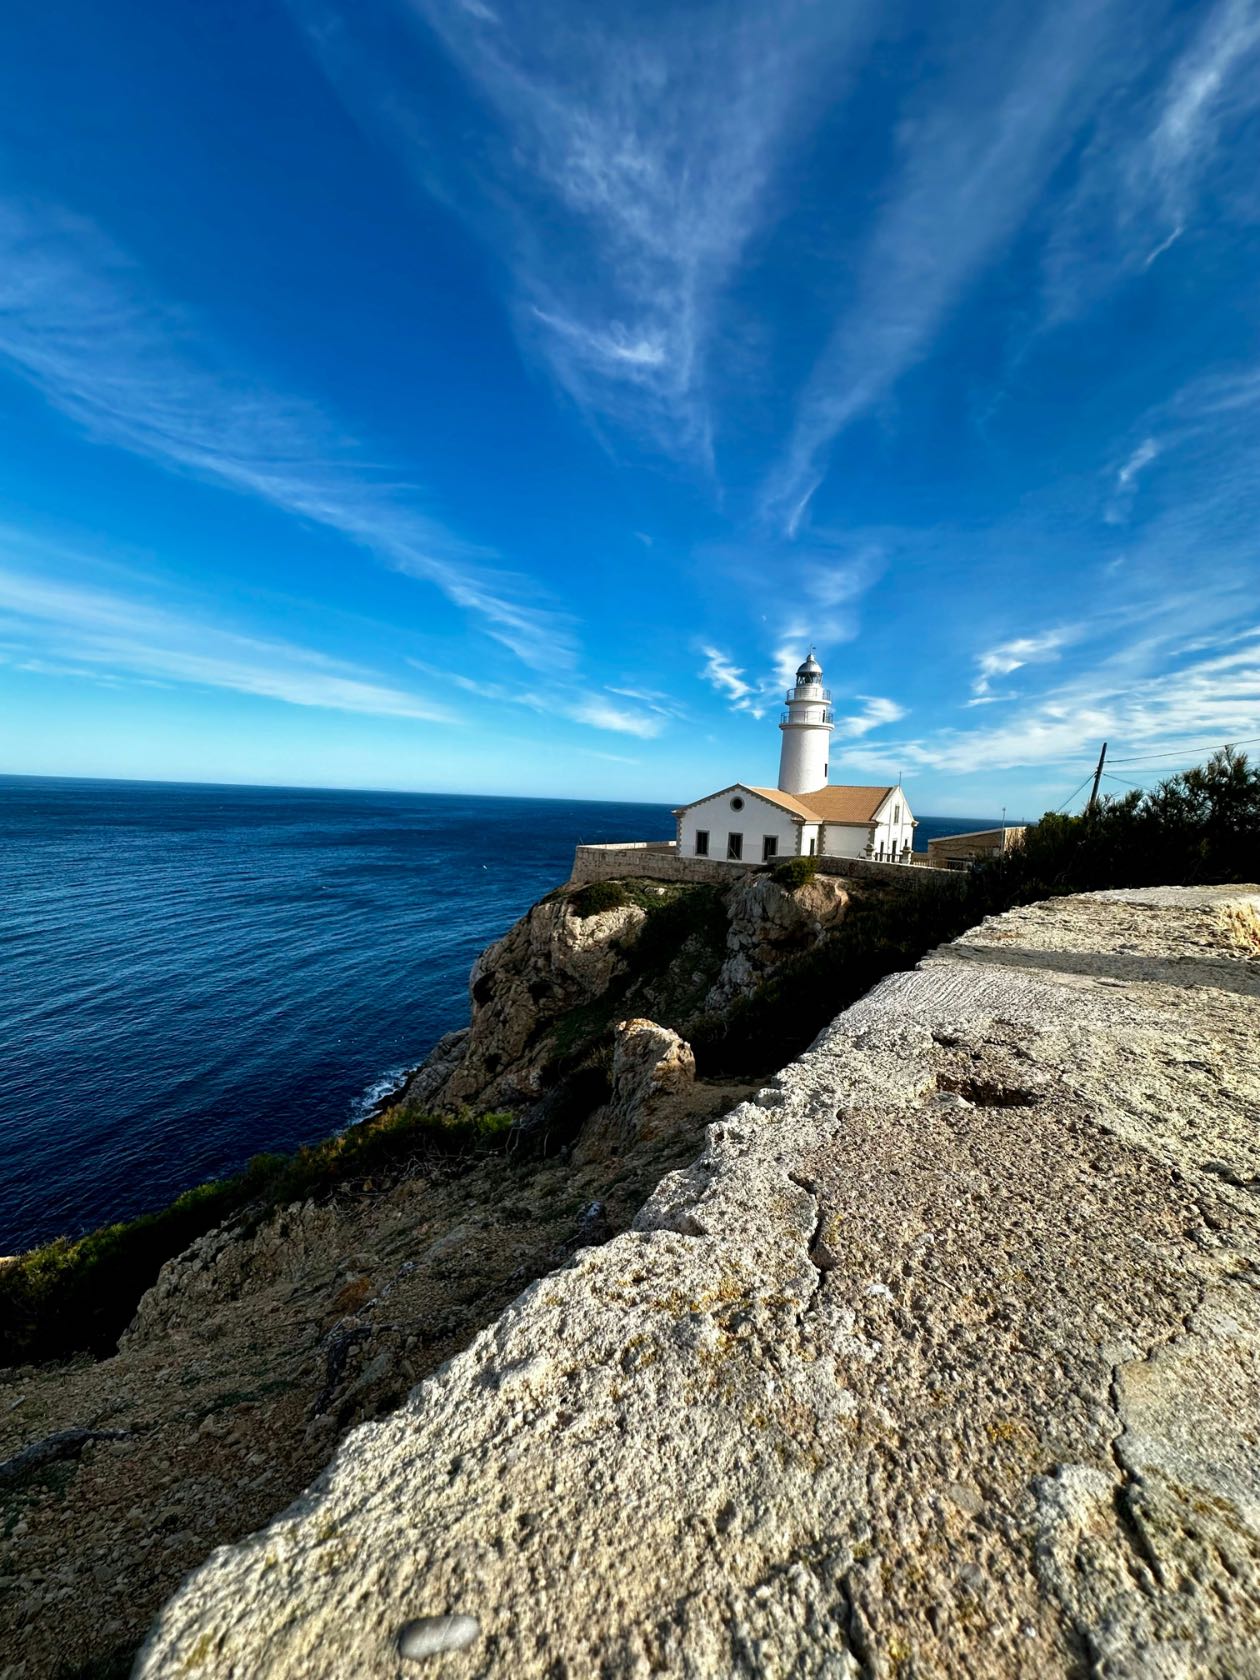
x,y
191,975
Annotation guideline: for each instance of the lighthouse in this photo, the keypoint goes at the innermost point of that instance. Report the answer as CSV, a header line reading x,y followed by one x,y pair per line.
x,y
806,726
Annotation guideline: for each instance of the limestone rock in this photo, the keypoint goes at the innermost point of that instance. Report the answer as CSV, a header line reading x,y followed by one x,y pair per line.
x,y
438,1069
653,1075
650,1065
218,1266
546,963
769,922
881,1384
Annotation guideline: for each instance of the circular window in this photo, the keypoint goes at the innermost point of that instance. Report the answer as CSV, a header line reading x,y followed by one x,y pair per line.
x,y
737,804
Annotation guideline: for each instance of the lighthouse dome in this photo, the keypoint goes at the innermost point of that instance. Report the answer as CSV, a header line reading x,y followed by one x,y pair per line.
x,y
810,671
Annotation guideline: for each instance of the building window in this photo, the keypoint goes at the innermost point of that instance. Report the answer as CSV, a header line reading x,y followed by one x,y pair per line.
x,y
813,847
735,847
824,772
896,813
702,842
737,804
769,847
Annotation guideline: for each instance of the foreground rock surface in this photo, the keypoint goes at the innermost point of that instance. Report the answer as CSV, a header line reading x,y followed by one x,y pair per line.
x,y
248,1360
943,1359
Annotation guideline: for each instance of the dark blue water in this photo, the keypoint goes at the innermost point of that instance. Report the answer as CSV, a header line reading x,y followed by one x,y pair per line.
x,y
191,975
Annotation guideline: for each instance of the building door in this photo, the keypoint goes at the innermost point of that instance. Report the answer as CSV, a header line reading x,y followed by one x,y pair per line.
x,y
769,847
735,847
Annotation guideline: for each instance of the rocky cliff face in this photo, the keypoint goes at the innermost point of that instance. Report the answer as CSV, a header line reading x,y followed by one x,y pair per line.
x,y
943,1358
546,997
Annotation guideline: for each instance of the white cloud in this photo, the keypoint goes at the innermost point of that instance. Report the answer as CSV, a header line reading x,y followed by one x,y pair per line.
x,y
1142,456
601,713
1132,700
1010,656
1120,504
788,656
609,758
973,165
1207,87
875,713
724,675
1143,177
625,161
77,322
108,632
571,701
662,704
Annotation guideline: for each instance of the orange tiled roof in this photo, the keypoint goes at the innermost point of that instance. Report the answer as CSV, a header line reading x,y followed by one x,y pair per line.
x,y
789,802
830,804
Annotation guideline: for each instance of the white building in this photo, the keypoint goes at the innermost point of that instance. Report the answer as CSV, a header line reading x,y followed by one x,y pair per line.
x,y
804,816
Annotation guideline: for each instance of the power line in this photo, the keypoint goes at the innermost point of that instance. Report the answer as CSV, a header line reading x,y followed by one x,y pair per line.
x,y
1071,796
1121,780
1187,752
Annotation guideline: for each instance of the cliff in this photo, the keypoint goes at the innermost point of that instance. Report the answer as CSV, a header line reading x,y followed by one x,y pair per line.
x,y
942,1358
274,1333
543,999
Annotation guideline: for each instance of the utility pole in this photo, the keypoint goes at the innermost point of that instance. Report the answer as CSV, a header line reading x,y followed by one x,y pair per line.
x,y
1093,793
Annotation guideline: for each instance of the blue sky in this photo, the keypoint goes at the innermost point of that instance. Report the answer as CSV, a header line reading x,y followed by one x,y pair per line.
x,y
458,394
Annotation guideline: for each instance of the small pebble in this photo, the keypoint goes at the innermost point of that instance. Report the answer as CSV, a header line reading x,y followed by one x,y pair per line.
x,y
429,1636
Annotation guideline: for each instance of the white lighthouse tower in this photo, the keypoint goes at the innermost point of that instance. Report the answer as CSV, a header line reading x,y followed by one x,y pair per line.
x,y
806,726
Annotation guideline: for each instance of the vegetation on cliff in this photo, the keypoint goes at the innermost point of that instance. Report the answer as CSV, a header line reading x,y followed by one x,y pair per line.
x,y
77,1295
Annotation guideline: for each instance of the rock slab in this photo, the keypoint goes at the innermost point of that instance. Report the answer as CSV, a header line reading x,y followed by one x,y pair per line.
x,y
942,1359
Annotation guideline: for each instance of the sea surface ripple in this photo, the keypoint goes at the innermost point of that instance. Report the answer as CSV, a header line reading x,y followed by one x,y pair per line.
x,y
191,975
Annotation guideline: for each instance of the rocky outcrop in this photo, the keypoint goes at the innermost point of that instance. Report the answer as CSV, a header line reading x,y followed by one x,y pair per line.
x,y
441,1065
222,1265
769,922
651,1064
556,961
548,962
653,1086
252,1354
942,1359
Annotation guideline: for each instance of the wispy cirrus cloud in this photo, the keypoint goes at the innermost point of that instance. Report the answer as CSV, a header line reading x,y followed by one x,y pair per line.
x,y
973,163
1008,657
1142,179
1124,489
627,160
78,322
110,633
730,681
1146,699
597,708
1212,84
603,713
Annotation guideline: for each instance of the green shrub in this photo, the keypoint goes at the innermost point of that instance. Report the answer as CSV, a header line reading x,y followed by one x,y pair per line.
x,y
77,1295
699,913
599,895
1201,826
795,872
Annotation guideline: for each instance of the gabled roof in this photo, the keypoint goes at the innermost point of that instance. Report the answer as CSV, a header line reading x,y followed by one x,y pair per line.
x,y
789,801
831,804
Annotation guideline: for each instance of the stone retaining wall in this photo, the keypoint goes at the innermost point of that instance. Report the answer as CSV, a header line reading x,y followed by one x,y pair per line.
x,y
661,861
